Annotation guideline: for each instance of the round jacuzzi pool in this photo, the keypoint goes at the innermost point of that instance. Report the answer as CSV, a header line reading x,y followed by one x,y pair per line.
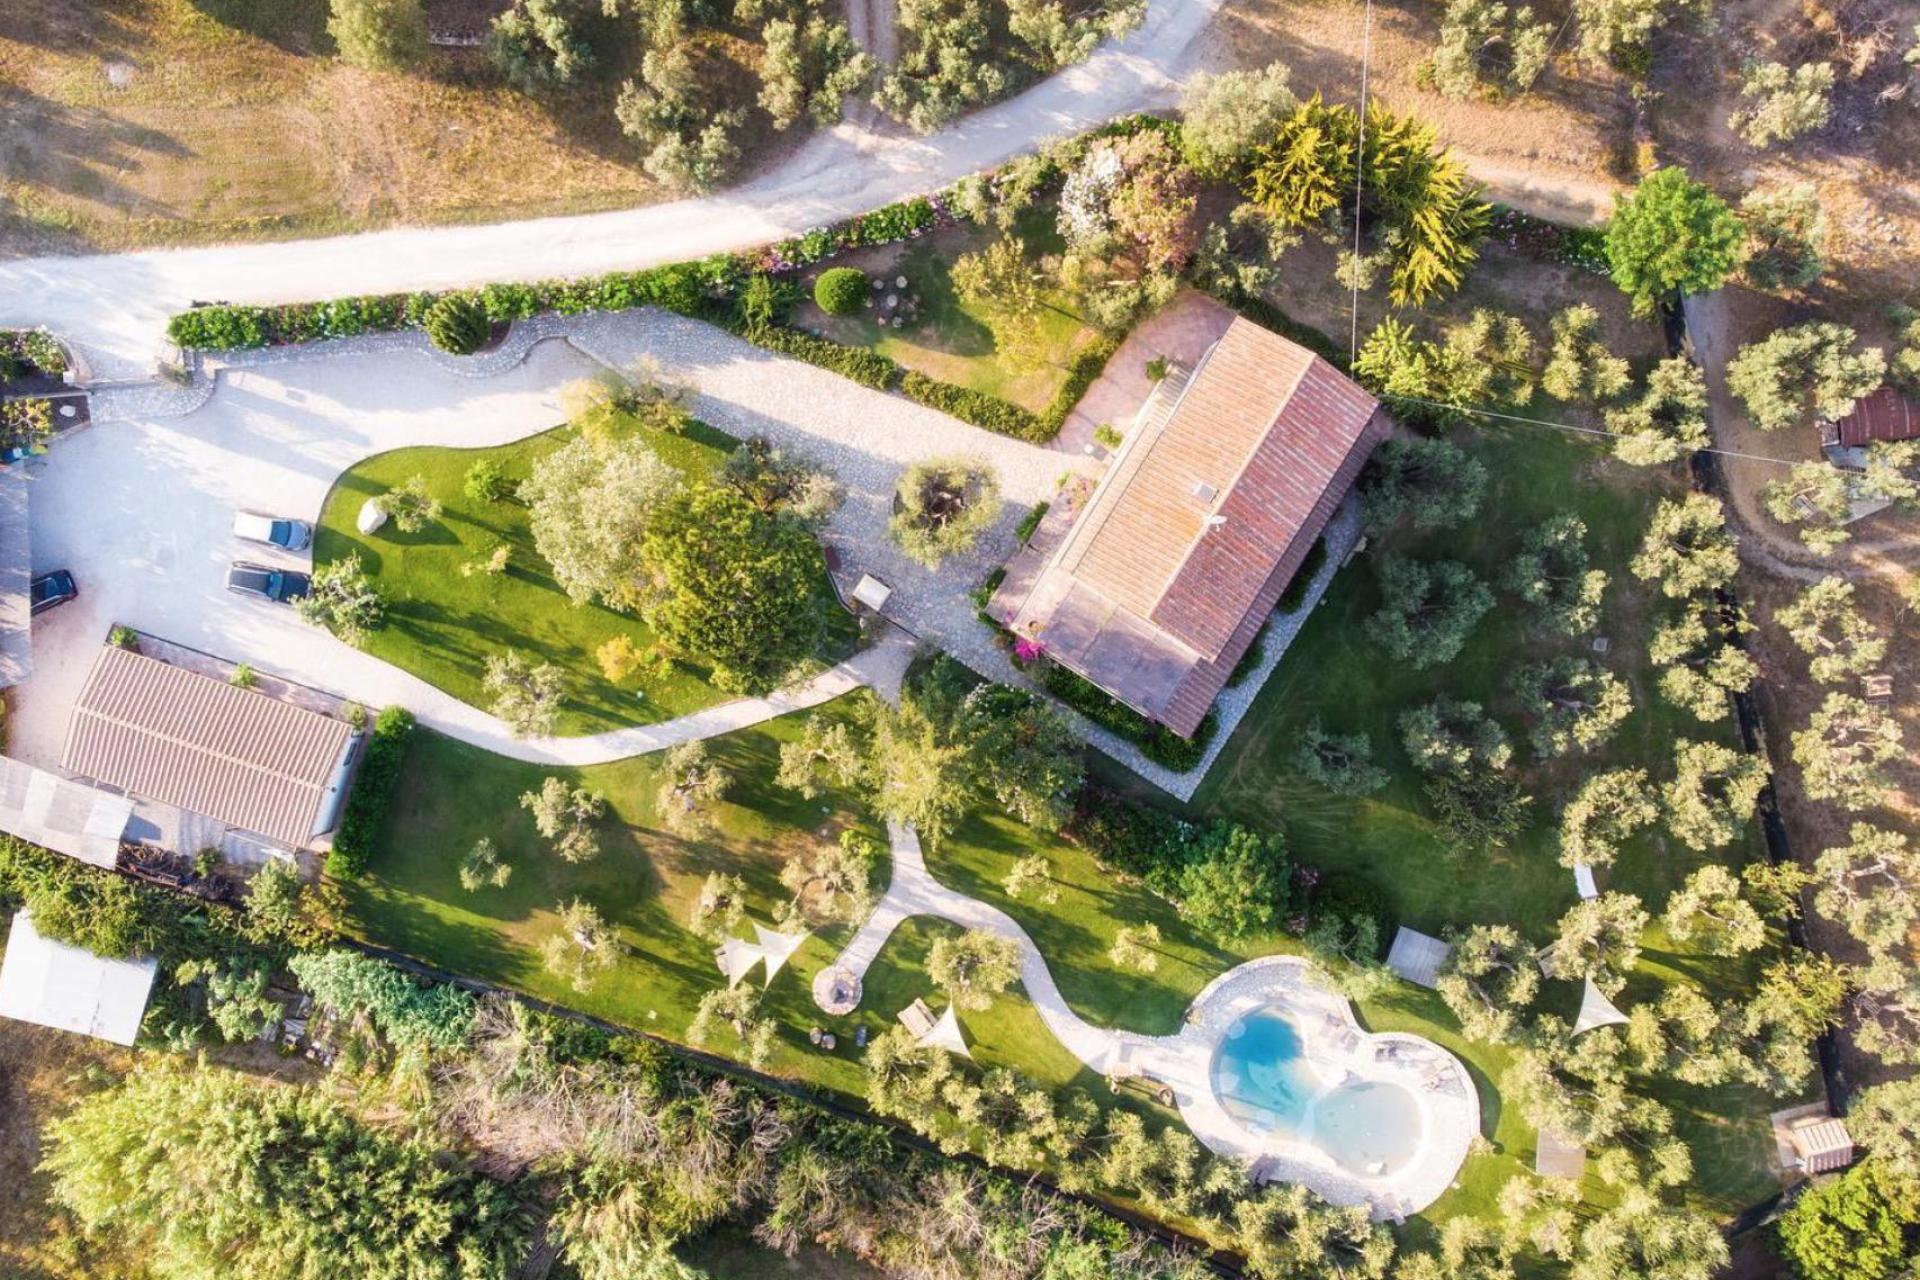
x,y
1265,1081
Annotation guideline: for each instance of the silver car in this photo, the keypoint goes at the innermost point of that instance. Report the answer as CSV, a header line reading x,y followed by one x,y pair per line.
x,y
272,531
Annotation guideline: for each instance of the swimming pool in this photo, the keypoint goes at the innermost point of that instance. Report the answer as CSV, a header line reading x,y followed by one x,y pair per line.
x,y
1264,1081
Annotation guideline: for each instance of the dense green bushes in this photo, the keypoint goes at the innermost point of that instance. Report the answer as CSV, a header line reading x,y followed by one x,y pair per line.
x,y
1156,742
372,791
1083,369
457,324
81,905
708,289
841,291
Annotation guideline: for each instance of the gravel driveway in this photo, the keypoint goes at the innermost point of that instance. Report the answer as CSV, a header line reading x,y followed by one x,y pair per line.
x,y
141,509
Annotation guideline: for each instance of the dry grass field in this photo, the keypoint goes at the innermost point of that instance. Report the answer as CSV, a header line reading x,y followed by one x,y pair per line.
x,y
134,122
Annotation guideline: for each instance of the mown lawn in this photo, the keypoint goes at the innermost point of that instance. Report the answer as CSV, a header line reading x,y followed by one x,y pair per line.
x,y
647,878
446,614
953,339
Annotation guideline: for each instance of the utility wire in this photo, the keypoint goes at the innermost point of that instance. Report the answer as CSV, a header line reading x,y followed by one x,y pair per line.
x,y
1577,430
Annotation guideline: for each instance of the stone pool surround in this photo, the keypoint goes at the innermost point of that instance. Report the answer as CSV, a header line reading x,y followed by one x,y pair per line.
x,y
1332,1041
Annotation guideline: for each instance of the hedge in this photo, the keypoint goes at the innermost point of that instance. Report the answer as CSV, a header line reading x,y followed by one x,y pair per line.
x,y
372,792
1083,370
707,289
1156,742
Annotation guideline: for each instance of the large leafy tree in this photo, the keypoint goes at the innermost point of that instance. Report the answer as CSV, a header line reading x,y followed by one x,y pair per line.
x,y
1709,907
1843,751
1223,118
1863,1225
1450,735
1580,368
1885,1119
808,68
526,695
1340,762
1871,885
1288,1233
1490,979
1424,481
206,1174
1239,889
1687,548
1484,43
1571,703
731,586
1806,374
1712,794
1428,609
1817,497
1671,236
379,34
589,502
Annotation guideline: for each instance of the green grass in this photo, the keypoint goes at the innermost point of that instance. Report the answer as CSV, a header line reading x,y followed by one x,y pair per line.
x,y
647,879
446,615
953,339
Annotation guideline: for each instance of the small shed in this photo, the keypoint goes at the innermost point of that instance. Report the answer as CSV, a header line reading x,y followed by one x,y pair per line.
x,y
52,984
1417,957
63,815
1557,1156
1821,1143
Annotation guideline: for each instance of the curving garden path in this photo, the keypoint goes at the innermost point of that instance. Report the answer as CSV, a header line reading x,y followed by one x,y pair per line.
x,y
1340,1049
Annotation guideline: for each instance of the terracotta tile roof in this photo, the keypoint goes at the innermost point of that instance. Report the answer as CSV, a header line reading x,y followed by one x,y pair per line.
x,y
165,733
1884,415
1200,524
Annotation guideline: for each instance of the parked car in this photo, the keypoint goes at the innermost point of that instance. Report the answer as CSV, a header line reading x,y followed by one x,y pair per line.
x,y
53,588
267,583
272,531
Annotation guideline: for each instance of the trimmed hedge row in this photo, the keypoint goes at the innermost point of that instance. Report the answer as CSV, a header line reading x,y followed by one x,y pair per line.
x,y
1156,742
978,407
1083,369
372,793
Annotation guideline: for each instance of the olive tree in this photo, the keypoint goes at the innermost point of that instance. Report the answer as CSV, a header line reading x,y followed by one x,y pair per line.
x,y
1424,481
1824,622
1599,938
1552,573
1712,794
1786,236
1701,666
1708,907
1490,979
566,816
589,502
584,946
1871,886
1580,369
1805,374
1450,735
1428,609
942,507
1223,118
1609,809
378,34
526,695
736,1009
1485,43
973,967
1688,549
342,599
1571,703
1340,762
1780,103
1817,497
1844,749
1667,421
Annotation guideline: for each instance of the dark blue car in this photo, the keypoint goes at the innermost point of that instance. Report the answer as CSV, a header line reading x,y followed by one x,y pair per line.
x,y
53,588
267,583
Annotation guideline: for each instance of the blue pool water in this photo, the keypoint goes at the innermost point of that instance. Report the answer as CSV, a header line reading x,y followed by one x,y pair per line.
x,y
1264,1082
